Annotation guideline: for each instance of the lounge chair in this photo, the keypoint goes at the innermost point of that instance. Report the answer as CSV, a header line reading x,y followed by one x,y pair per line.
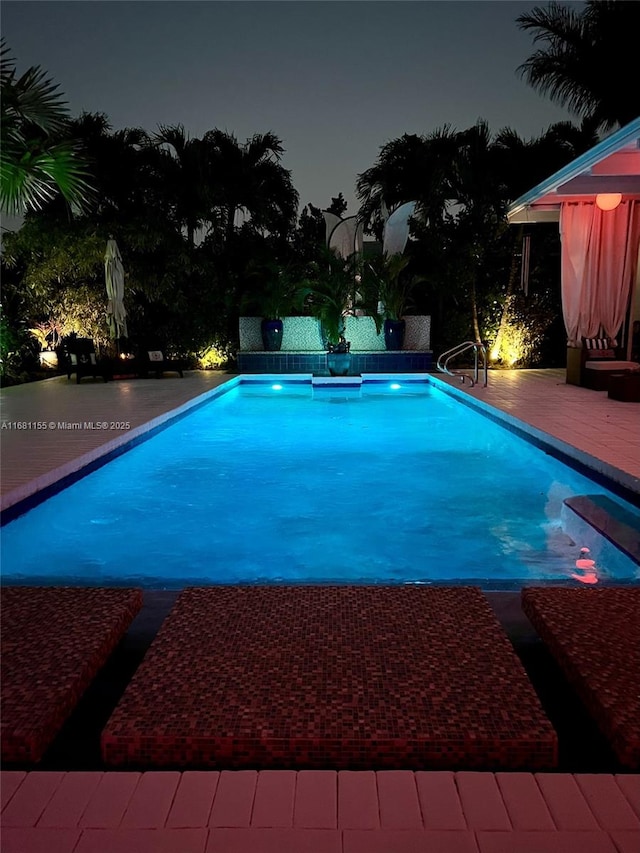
x,y
153,358
80,357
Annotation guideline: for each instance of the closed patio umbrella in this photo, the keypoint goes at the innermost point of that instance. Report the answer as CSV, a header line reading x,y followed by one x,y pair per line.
x,y
114,279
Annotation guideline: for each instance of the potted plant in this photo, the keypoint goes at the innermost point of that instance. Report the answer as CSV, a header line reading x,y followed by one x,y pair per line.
x,y
393,291
277,295
330,293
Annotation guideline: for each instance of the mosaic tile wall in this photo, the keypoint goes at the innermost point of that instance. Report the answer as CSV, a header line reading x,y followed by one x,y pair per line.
x,y
299,334
250,337
349,677
361,331
594,634
302,334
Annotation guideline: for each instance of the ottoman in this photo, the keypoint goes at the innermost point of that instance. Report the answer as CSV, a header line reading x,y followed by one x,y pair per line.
x,y
625,387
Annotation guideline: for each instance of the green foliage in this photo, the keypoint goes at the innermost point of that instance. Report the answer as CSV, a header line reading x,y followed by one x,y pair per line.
x,y
184,291
525,331
38,160
55,255
308,239
81,310
462,247
275,291
330,292
9,344
212,178
17,353
63,273
385,282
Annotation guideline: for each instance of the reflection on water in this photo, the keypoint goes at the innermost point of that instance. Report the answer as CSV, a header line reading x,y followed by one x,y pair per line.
x,y
587,571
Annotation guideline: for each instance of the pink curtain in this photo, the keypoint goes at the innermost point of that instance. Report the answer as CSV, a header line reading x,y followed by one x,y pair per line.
x,y
599,257
576,222
619,238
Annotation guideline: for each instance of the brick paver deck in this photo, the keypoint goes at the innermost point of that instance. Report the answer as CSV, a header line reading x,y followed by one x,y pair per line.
x,y
319,811
330,677
54,641
594,634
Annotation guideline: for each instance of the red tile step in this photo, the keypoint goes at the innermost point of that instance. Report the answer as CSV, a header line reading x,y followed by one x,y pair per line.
x,y
53,642
594,634
330,678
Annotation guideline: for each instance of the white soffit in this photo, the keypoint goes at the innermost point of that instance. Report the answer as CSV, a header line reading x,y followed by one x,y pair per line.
x,y
613,165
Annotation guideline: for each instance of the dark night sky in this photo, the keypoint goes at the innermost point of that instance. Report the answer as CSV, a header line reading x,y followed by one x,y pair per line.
x,y
334,80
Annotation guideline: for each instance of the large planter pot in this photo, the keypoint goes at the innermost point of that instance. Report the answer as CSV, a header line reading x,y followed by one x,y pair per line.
x,y
271,331
338,363
394,334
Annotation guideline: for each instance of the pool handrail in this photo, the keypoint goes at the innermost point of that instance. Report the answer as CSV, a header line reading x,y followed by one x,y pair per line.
x,y
444,359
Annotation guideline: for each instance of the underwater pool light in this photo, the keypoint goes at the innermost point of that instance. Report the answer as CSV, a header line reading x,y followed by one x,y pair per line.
x,y
394,386
277,387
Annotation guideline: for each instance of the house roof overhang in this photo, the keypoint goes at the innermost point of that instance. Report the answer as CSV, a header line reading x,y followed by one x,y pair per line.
x,y
613,165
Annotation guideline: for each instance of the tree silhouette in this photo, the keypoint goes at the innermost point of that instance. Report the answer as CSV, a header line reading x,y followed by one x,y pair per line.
x,y
589,58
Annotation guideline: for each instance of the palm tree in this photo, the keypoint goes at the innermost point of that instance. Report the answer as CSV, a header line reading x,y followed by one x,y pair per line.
x,y
190,174
588,60
525,163
480,192
249,177
37,160
409,168
125,172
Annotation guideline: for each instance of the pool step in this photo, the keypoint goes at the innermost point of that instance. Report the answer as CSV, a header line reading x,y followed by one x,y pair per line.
x,y
336,381
611,520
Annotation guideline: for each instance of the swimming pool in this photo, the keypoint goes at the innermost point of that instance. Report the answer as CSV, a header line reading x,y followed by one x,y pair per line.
x,y
286,482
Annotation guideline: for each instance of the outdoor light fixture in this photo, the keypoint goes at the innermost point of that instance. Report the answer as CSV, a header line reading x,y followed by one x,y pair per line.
x,y
608,201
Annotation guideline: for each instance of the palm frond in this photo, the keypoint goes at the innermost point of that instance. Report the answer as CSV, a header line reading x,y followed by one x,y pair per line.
x,y
173,135
584,54
30,178
35,98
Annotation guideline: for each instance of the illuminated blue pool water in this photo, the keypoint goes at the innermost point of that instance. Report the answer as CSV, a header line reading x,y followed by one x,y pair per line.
x,y
305,485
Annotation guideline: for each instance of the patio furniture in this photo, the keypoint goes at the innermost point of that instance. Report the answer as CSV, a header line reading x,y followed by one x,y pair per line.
x,y
625,387
80,357
153,358
593,364
54,641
